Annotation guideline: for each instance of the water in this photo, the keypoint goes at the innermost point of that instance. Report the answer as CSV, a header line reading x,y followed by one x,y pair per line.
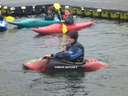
x,y
106,40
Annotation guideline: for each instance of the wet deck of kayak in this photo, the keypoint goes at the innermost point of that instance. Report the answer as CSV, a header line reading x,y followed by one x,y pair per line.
x,y
106,40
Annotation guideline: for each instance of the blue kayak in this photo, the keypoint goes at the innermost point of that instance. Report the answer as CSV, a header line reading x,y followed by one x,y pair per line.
x,y
3,25
33,22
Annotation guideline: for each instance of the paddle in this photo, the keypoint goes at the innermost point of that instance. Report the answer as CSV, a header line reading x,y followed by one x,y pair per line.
x,y
9,18
64,27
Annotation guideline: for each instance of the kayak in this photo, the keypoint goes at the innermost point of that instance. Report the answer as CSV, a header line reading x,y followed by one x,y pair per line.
x,y
39,65
33,22
57,28
3,25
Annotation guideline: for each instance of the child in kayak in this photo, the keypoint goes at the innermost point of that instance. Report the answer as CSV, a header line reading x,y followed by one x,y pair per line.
x,y
50,15
73,53
67,17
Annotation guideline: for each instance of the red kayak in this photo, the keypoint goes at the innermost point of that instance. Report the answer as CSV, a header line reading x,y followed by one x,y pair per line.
x,y
39,65
57,28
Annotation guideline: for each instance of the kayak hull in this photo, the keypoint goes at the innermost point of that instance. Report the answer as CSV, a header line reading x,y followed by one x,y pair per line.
x,y
39,65
57,28
33,22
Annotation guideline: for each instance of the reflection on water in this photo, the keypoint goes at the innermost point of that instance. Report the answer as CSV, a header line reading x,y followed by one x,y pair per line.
x,y
106,40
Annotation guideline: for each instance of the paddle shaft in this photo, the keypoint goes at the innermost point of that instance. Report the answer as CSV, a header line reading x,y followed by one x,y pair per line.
x,y
58,7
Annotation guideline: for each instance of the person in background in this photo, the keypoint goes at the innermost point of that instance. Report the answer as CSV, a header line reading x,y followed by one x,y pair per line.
x,y
68,17
64,16
50,15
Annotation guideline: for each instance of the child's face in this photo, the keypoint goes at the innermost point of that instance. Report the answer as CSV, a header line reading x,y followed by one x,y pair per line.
x,y
67,12
70,40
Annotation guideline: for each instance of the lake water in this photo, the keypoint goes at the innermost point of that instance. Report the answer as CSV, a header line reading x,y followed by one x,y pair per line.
x,y
105,40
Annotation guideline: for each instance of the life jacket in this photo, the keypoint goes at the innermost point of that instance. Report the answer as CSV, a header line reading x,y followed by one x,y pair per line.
x,y
73,48
70,50
49,16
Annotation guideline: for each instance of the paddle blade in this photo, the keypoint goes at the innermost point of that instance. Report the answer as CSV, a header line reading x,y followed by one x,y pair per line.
x,y
57,6
10,19
64,29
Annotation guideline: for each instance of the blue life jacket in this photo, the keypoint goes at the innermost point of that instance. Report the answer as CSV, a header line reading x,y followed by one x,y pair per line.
x,y
49,16
74,53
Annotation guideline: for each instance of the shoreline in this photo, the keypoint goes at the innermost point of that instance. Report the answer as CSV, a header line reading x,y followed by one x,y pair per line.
x,y
109,4
106,10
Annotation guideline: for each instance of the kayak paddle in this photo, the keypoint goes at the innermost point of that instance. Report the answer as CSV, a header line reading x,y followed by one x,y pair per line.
x,y
64,27
9,18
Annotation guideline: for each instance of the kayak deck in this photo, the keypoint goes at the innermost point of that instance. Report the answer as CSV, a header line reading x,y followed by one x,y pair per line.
x,y
33,22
